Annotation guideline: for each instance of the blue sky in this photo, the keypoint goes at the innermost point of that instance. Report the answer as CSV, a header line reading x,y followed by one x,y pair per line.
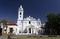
x,y
34,8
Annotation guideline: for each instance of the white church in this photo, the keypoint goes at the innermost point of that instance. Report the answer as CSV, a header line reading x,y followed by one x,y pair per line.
x,y
24,26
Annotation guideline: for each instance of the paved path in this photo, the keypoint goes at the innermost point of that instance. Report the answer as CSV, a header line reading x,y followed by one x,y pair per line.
x,y
3,37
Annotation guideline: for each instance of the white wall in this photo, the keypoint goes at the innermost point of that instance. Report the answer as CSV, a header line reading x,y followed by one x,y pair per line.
x,y
14,28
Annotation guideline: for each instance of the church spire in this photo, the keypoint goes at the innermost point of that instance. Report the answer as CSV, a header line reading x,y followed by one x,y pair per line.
x,y
20,8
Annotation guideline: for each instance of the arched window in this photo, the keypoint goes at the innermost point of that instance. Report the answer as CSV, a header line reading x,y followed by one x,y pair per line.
x,y
20,16
20,13
29,22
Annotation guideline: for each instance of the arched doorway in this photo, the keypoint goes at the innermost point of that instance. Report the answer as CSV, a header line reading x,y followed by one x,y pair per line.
x,y
0,31
29,30
11,30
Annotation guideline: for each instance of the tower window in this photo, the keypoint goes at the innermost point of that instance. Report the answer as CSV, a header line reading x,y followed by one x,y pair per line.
x,y
20,13
20,16
29,22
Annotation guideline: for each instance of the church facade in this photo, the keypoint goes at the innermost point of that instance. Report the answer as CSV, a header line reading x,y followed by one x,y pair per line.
x,y
24,26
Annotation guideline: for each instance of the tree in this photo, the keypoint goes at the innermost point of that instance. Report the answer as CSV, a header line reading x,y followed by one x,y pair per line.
x,y
4,21
52,26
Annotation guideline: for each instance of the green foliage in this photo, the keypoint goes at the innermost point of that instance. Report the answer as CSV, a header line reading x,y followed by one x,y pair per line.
x,y
4,21
52,26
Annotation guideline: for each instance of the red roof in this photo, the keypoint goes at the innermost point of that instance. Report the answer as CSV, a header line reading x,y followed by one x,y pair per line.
x,y
11,23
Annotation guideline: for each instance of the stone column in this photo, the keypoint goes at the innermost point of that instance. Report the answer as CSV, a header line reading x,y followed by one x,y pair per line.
x,y
34,30
27,30
31,30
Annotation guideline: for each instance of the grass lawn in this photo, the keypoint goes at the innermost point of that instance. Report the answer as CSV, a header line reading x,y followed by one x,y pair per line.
x,y
34,37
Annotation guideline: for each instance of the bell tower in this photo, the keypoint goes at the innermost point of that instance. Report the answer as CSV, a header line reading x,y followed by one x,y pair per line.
x,y
20,16
20,13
